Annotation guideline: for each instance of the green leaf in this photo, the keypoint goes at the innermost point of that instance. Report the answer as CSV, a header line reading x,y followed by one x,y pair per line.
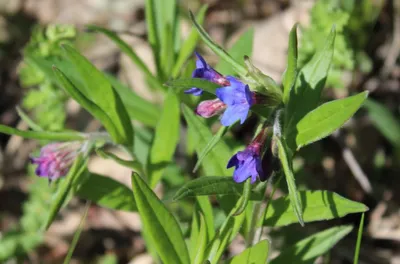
x,y
307,91
107,192
137,107
246,197
165,139
290,74
199,242
384,121
308,249
45,135
189,45
325,119
65,188
206,209
28,120
256,254
131,164
210,145
98,90
187,83
287,169
128,50
90,106
215,162
162,227
217,49
242,47
317,206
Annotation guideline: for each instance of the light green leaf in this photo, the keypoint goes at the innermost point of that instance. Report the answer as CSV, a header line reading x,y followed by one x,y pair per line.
x,y
325,119
256,254
217,49
165,139
309,84
97,89
132,164
219,156
65,188
206,209
32,124
287,169
317,206
359,238
290,74
107,192
161,226
89,105
189,44
210,145
242,47
384,121
199,242
45,135
306,250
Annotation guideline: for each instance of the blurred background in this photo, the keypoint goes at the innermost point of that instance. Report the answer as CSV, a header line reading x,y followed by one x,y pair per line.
x,y
360,162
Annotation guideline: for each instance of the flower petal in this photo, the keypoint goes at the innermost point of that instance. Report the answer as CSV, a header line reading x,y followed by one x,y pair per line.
x,y
200,62
233,162
234,113
226,94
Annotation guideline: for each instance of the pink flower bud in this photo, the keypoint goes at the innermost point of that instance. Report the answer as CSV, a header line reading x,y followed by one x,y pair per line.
x,y
209,108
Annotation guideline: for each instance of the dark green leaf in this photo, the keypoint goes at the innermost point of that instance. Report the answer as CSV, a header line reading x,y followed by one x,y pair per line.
x,y
287,169
98,90
290,74
308,249
317,206
165,139
54,136
256,254
107,192
160,224
325,119
359,237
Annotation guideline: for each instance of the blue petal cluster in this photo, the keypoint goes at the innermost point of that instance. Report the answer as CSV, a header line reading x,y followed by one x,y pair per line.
x,y
238,98
247,164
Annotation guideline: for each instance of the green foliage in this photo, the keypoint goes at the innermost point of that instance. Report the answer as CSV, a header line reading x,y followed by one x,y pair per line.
x,y
256,254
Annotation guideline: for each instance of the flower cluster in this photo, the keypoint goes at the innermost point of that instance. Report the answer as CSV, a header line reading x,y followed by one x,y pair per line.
x,y
234,100
55,159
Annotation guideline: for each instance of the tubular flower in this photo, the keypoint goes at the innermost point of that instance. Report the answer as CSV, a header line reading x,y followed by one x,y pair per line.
x,y
55,159
205,71
238,98
209,108
248,162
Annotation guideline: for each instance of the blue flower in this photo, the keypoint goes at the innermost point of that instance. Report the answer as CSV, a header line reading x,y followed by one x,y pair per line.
x,y
247,164
238,98
205,71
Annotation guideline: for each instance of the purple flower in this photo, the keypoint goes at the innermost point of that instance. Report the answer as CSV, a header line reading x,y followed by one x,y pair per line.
x,y
238,98
248,162
55,159
209,108
204,71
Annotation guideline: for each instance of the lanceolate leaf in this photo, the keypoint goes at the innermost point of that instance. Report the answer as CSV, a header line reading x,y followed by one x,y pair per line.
x,y
289,77
189,44
97,89
325,119
307,91
160,224
107,192
165,139
308,249
217,49
317,206
257,254
287,169
214,163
